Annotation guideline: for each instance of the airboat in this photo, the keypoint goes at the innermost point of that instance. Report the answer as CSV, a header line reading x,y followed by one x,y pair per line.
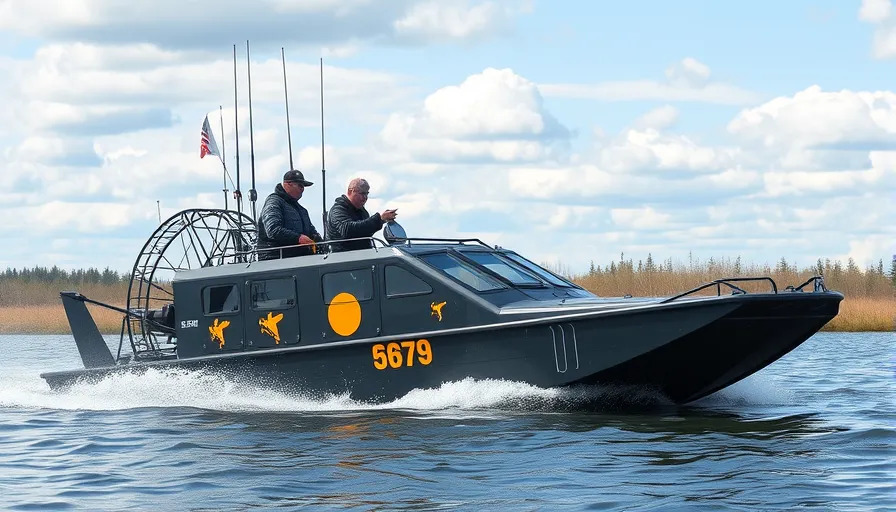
x,y
414,313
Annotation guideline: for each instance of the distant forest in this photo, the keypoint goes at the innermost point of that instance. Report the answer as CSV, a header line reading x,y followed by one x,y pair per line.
x,y
56,275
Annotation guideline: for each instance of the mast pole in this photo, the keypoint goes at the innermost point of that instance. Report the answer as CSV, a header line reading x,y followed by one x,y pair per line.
x,y
323,167
286,100
223,154
237,195
253,195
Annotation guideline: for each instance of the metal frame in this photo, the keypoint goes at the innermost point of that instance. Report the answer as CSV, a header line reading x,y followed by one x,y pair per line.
x,y
817,280
208,237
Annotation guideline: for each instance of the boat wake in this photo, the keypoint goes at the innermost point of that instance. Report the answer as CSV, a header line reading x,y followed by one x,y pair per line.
x,y
171,388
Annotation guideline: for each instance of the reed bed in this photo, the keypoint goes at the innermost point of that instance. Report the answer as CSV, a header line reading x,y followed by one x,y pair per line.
x,y
50,319
30,306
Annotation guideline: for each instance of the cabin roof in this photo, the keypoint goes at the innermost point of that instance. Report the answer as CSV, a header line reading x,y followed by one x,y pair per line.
x,y
315,260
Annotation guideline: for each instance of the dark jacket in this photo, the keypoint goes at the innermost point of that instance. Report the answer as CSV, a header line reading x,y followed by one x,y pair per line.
x,y
345,221
281,222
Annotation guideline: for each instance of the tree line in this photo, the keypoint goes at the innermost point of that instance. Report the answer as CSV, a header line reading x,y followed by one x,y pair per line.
x,y
736,267
56,275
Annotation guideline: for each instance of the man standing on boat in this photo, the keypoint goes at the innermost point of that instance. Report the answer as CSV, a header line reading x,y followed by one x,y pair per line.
x,y
284,222
348,218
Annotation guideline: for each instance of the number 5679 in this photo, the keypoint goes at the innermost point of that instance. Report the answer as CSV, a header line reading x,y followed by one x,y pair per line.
x,y
398,354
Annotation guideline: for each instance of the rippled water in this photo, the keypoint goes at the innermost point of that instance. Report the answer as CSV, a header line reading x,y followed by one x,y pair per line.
x,y
813,431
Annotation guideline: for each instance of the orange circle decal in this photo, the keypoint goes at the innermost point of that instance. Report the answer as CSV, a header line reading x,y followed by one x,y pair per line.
x,y
344,314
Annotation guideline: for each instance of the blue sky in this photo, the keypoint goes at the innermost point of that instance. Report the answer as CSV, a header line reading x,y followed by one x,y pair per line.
x,y
570,131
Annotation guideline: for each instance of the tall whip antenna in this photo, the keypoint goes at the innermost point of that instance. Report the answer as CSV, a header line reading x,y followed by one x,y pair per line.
x,y
253,195
237,195
323,167
223,154
286,100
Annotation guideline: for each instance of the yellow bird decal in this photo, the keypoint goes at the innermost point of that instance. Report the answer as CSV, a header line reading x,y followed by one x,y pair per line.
x,y
269,325
437,309
217,331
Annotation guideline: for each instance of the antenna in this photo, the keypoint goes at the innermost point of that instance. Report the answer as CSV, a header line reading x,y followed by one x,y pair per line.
x,y
323,167
237,195
253,195
223,155
286,99
159,209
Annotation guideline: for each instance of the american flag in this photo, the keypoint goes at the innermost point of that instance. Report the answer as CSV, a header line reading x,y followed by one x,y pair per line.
x,y
207,144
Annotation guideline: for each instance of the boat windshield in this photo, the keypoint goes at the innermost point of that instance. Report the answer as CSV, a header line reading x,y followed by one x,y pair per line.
x,y
542,273
462,271
504,268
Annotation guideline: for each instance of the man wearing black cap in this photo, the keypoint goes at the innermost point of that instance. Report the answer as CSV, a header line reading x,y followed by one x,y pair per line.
x,y
284,222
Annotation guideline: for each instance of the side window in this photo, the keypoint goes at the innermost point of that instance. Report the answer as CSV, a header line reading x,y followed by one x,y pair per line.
x,y
273,294
220,299
401,283
462,271
359,283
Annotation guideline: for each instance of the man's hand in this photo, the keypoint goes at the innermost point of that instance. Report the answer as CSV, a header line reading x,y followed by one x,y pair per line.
x,y
304,240
389,215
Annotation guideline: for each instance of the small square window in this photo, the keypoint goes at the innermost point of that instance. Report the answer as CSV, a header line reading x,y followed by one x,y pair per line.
x,y
220,299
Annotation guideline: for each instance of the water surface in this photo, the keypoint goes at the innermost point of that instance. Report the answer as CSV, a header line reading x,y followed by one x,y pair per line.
x,y
814,431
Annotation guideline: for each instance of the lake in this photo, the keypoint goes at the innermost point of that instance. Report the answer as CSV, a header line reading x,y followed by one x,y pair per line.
x,y
815,430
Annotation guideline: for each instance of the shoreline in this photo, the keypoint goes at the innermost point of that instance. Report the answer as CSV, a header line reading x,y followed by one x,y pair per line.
x,y
860,314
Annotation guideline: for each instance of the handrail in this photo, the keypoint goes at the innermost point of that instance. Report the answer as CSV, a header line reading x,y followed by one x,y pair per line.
x,y
459,241
316,245
817,281
374,240
718,284
818,285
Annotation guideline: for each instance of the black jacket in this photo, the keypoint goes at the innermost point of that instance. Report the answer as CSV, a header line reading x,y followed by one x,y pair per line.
x,y
281,222
345,221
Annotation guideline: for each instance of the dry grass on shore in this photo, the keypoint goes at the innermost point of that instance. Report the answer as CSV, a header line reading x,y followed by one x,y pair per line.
x,y
869,304
856,314
50,319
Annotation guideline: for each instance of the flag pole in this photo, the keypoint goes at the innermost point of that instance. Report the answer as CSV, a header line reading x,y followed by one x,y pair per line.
x,y
223,154
286,100
253,195
323,167
237,195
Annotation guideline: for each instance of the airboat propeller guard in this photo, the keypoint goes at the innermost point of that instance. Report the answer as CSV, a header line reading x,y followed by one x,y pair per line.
x,y
394,233
190,239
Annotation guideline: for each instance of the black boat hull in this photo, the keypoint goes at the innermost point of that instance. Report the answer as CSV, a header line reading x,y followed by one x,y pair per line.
x,y
685,349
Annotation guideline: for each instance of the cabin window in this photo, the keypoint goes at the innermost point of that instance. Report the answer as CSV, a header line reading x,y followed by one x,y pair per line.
x,y
544,274
500,266
462,271
220,299
401,283
359,283
273,294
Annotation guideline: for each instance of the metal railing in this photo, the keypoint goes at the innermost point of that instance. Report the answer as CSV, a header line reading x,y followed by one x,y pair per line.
x,y
817,281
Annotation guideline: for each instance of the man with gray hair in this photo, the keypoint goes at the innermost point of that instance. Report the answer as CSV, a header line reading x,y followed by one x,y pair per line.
x,y
348,219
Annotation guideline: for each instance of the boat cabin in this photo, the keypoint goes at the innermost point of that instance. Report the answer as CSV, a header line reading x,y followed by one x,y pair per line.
x,y
408,286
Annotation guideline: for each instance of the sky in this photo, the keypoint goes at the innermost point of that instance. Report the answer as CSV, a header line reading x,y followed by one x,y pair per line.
x,y
570,131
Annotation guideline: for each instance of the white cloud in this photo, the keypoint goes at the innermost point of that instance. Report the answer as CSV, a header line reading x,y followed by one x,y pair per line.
x,y
686,81
653,151
880,14
688,73
875,11
814,118
171,23
437,20
645,218
659,118
495,115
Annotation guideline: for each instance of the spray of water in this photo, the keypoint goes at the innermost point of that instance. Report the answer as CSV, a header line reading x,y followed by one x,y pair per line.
x,y
207,390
